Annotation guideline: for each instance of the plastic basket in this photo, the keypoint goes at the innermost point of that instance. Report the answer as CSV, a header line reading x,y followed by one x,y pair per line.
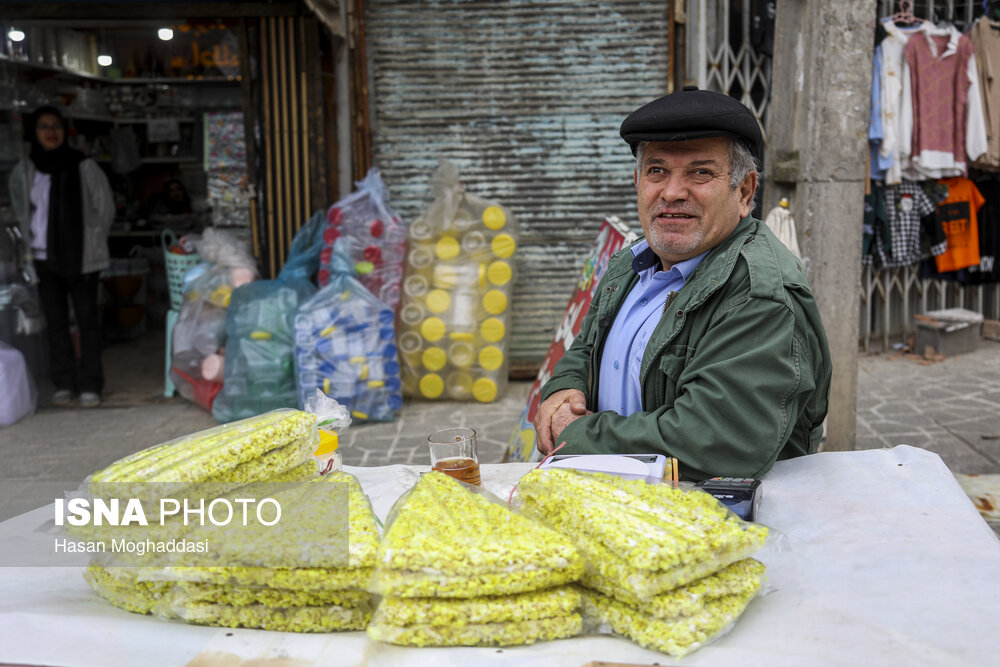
x,y
177,265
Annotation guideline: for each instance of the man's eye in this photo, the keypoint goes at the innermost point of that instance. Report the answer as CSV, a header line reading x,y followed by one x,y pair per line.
x,y
702,174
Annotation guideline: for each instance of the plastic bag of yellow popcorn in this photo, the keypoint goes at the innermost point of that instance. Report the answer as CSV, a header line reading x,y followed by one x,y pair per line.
x,y
683,619
504,620
328,618
636,537
447,539
307,550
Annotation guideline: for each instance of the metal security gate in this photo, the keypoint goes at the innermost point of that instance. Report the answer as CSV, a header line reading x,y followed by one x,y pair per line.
x,y
721,52
891,297
526,97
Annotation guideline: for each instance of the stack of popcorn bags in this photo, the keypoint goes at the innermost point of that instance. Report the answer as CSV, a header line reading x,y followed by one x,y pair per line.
x,y
668,568
455,316
456,568
308,574
345,346
374,240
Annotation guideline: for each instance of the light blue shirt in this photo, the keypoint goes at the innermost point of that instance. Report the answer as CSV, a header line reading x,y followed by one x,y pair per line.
x,y
618,388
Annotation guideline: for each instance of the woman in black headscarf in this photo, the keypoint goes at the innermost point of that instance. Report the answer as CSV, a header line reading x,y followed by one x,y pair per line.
x,y
173,207
65,207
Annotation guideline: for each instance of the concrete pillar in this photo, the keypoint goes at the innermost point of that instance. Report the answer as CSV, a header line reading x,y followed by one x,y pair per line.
x,y
817,141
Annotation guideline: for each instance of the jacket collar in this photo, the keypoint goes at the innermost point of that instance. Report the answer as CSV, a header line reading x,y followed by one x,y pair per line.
x,y
710,274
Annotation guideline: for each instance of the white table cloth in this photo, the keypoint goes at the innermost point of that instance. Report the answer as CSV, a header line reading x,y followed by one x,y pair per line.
x,y
880,558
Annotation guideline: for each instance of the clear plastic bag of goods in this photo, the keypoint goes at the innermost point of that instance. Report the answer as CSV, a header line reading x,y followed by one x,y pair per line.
x,y
455,312
374,237
250,450
19,397
259,369
682,619
221,247
345,346
331,558
457,567
447,539
200,332
199,335
503,620
323,618
325,588
638,539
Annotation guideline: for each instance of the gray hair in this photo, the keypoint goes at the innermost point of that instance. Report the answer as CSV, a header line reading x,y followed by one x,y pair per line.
x,y
741,163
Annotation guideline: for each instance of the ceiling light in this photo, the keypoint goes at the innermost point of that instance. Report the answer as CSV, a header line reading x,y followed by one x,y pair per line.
x,y
15,35
166,34
103,61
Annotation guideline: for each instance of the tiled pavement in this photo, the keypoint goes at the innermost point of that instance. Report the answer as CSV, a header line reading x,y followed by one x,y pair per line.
x,y
951,407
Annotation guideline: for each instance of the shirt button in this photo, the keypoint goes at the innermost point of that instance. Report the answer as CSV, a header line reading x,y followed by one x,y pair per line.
x,y
643,301
616,364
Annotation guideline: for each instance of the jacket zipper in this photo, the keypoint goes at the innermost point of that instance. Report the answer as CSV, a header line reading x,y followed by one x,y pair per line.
x,y
670,297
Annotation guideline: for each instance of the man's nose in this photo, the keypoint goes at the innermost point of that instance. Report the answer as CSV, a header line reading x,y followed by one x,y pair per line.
x,y
673,188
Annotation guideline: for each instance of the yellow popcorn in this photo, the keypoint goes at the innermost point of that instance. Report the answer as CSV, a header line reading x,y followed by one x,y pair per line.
x,y
677,635
212,453
560,601
122,589
284,619
447,541
743,576
299,578
191,593
511,633
638,537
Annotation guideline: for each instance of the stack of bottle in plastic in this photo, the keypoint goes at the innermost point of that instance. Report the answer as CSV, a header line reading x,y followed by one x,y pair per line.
x,y
455,314
259,349
345,346
375,239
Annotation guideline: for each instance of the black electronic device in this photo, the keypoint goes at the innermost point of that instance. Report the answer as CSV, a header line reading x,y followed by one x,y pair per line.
x,y
740,494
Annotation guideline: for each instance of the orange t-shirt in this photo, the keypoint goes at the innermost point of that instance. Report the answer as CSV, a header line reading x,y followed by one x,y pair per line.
x,y
957,215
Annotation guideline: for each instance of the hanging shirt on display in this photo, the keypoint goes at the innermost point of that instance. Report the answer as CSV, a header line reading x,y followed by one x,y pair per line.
x,y
877,164
957,214
905,204
988,270
985,35
891,90
875,228
944,122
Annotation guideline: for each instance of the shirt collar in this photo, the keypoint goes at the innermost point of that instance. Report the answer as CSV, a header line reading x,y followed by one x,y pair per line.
x,y
644,258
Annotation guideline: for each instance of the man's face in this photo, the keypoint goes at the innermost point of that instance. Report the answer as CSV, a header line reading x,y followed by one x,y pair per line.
x,y
685,203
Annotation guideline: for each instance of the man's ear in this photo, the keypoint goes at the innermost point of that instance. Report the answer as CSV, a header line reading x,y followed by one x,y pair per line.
x,y
635,178
747,190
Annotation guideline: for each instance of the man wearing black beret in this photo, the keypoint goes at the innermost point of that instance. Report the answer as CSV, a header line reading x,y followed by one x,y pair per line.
x,y
703,341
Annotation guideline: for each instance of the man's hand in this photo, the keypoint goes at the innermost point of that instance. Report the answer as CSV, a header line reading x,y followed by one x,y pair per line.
x,y
555,414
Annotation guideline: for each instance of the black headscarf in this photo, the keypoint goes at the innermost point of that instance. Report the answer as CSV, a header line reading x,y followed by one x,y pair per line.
x,y
175,207
64,242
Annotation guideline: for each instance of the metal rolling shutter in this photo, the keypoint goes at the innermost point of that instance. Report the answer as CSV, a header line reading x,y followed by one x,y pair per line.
x,y
526,97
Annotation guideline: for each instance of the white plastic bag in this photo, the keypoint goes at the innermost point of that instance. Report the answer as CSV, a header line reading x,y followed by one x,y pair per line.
x,y
19,398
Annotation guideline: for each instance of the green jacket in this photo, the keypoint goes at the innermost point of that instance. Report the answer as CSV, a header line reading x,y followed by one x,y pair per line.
x,y
735,375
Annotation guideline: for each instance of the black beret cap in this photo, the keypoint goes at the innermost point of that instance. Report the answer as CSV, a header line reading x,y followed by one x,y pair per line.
x,y
693,114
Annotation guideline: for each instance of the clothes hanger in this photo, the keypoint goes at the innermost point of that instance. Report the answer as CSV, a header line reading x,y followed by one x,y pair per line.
x,y
905,14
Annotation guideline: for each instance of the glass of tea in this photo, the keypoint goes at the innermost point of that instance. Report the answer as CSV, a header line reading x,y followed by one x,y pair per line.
x,y
454,452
